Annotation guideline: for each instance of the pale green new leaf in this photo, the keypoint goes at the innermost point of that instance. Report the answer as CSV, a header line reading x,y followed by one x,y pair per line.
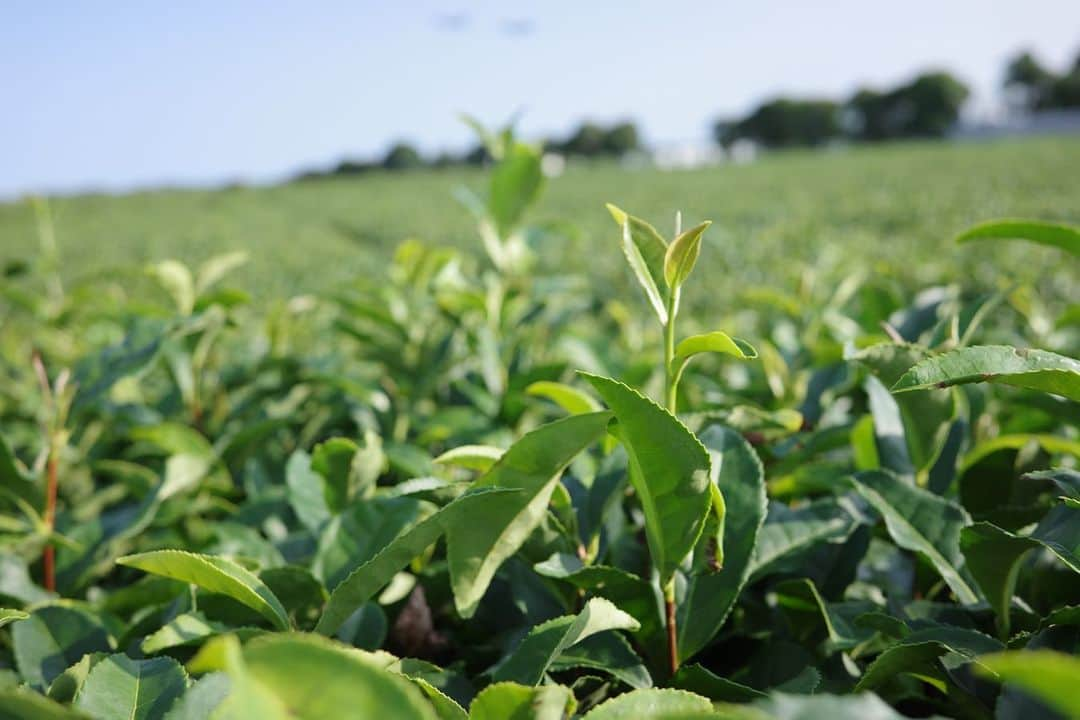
x,y
567,397
515,184
645,251
546,642
22,704
362,584
213,574
1048,675
119,687
713,342
307,677
669,471
1031,369
175,277
216,268
682,255
511,701
471,457
923,522
532,465
1066,237
7,615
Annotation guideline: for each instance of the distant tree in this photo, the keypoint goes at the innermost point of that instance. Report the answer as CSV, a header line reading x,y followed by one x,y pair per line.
x,y
1065,91
1026,76
621,139
928,106
587,140
785,123
478,155
402,156
352,167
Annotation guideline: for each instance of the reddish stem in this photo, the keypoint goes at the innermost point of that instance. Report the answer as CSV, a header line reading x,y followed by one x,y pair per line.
x,y
49,555
672,635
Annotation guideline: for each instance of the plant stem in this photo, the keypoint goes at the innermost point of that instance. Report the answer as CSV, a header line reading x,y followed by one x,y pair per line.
x,y
48,559
672,629
670,401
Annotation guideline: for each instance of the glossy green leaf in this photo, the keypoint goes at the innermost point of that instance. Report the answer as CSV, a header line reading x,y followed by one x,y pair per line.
x,y
544,643
910,429
333,461
608,653
699,680
1059,531
119,687
54,637
531,466
471,457
682,255
669,471
362,584
363,529
216,575
306,491
567,397
1048,675
510,701
710,596
787,533
650,704
1031,369
1066,237
922,522
201,699
921,649
993,557
645,252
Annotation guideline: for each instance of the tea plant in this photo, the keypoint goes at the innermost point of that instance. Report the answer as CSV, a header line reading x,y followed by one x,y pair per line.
x,y
465,488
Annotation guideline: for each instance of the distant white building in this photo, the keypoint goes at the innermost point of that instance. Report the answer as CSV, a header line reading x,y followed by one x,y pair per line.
x,y
688,155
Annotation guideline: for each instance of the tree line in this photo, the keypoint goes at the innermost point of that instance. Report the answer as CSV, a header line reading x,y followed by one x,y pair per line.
x,y
927,106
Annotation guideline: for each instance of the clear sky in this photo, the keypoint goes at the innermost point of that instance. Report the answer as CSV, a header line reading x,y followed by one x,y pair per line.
x,y
113,95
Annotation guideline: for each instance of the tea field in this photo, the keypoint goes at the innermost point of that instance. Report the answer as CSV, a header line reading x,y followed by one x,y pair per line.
x,y
795,439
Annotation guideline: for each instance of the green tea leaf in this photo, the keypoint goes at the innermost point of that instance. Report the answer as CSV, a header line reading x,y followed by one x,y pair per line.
x,y
711,596
713,342
287,676
202,698
784,706
510,701
1031,369
119,687
645,252
788,532
175,277
7,615
54,637
213,574
922,522
569,398
362,584
516,182
920,650
696,679
1048,675
1066,237
471,457
333,461
682,255
993,556
669,470
22,704
651,704
546,642
532,465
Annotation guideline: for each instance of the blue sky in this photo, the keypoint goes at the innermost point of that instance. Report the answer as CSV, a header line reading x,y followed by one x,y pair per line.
x,y
116,95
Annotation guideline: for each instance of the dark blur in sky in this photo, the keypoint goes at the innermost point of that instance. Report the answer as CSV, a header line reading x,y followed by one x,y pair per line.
x,y
121,94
